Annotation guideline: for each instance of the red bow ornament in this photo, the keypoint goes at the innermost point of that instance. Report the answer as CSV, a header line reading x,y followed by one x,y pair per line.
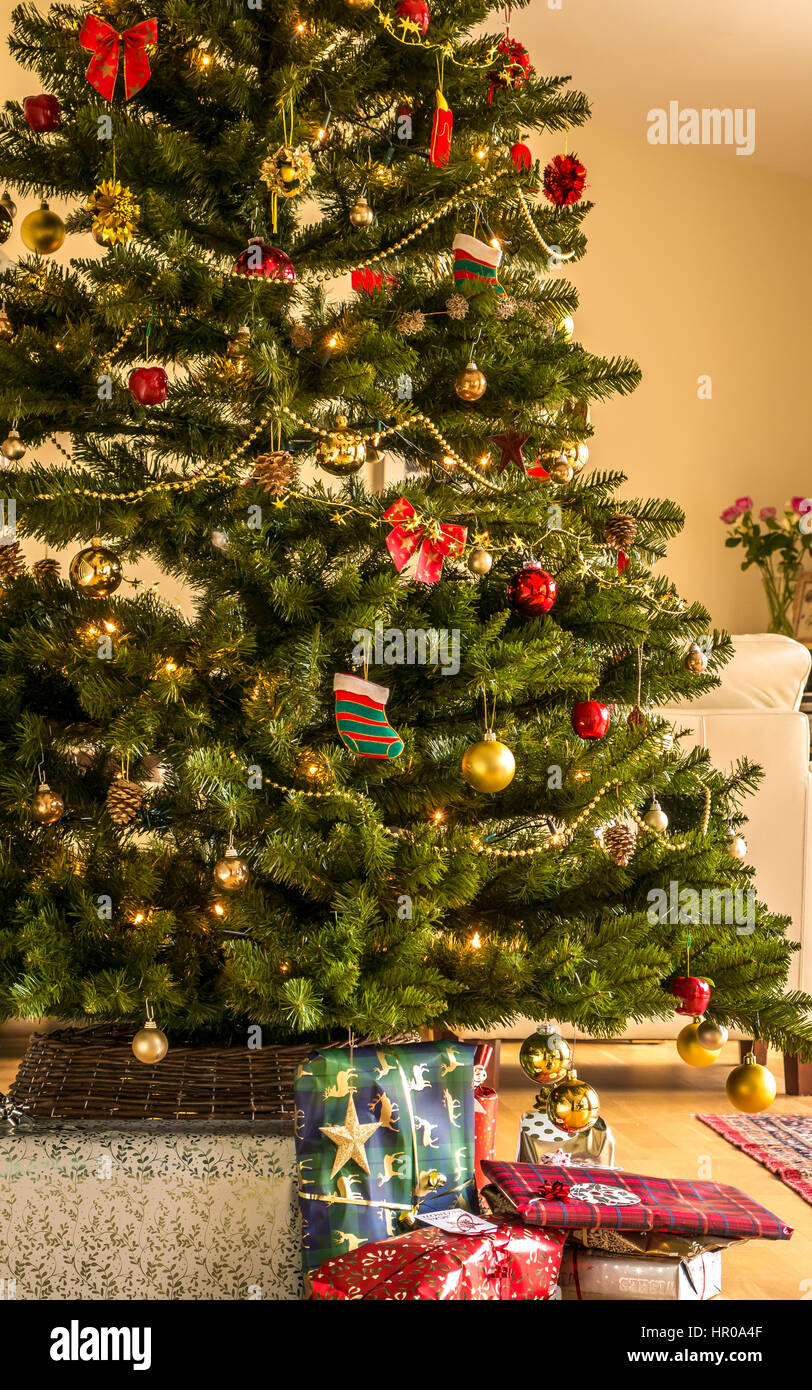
x,y
433,541
105,43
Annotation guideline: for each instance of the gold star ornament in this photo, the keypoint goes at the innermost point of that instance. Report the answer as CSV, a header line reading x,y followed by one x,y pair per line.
x,y
350,1139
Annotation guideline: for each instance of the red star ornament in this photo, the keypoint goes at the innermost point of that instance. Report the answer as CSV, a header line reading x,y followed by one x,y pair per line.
x,y
511,444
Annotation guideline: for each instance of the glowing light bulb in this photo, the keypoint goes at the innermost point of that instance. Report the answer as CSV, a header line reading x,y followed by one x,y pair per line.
x,y
170,666
321,133
218,910
496,243
475,941
438,816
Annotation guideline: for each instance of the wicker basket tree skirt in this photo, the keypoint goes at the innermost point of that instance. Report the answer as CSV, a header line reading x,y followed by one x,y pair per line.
x,y
150,1209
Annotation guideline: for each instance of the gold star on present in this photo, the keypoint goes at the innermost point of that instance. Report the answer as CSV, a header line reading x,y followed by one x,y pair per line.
x,y
350,1139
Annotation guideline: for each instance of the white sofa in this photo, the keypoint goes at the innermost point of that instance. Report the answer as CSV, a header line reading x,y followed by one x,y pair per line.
x,y
754,713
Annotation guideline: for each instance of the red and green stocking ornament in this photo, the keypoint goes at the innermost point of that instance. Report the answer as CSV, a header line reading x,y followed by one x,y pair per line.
x,y
361,718
476,260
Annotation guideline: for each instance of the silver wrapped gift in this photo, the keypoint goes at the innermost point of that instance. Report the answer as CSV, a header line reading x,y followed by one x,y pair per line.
x,y
540,1140
592,1274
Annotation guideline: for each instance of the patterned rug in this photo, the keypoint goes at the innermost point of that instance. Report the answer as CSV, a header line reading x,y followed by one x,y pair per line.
x,y
783,1143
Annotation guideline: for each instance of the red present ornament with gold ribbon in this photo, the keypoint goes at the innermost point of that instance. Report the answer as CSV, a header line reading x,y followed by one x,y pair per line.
x,y
106,44
486,1105
433,541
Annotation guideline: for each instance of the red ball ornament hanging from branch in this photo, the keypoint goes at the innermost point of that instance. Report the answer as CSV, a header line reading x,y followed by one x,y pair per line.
x,y
532,590
259,261
413,16
521,155
564,180
590,719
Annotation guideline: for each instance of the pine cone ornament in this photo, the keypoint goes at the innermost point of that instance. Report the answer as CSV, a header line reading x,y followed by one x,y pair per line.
x,y
456,306
300,336
46,568
11,560
414,321
619,841
274,471
505,307
620,532
123,801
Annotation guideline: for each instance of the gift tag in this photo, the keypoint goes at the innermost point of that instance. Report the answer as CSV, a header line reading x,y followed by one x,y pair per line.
x,y
456,1222
601,1194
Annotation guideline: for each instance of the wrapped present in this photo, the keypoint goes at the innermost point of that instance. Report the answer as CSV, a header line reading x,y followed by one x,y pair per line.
x,y
381,1134
540,1139
572,1198
486,1105
497,1260
589,1274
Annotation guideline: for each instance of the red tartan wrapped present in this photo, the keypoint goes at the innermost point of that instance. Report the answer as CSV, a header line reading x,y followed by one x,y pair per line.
x,y
573,1198
511,1262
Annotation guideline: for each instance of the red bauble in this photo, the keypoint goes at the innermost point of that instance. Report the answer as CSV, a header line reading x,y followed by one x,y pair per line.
x,y
259,261
149,385
521,156
414,12
532,590
590,719
513,66
693,993
42,113
564,180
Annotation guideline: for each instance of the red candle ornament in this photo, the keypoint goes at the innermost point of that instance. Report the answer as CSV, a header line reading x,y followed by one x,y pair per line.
x,y
414,15
590,719
43,113
259,261
532,590
693,993
149,385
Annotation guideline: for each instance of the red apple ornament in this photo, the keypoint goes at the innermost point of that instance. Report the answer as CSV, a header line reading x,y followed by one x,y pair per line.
x,y
693,993
590,719
532,590
413,12
43,113
149,385
259,261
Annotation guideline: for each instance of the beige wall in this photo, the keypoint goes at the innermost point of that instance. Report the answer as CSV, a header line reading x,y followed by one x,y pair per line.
x,y
698,264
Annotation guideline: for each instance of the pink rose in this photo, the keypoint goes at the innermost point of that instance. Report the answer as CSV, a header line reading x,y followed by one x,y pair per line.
x,y
744,504
767,513
800,504
729,515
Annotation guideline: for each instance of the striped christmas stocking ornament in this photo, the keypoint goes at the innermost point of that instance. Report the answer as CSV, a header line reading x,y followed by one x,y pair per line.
x,y
361,718
476,260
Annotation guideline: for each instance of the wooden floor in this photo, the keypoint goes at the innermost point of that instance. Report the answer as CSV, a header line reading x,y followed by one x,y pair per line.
x,y
649,1098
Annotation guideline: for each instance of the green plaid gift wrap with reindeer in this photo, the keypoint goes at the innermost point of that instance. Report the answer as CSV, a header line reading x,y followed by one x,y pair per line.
x,y
382,1133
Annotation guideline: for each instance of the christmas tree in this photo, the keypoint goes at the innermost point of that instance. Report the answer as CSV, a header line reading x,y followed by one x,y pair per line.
x,y
402,764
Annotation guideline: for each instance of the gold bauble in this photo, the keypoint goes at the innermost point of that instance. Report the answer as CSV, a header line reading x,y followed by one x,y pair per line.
x,y
359,4
470,384
488,766
150,1044
573,1105
341,453
655,818
238,346
361,214
480,560
231,872
696,661
737,846
47,807
12,447
42,231
545,1057
558,466
577,456
712,1036
690,1048
750,1087
96,570
6,327
565,327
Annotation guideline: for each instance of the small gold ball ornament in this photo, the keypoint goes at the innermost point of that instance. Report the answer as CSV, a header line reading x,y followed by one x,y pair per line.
x,y
231,872
737,847
480,560
341,453
750,1087
559,467
96,570
46,807
361,214
359,4
12,447
470,384
696,661
150,1044
488,765
573,1105
655,818
545,1057
690,1048
713,1036
42,231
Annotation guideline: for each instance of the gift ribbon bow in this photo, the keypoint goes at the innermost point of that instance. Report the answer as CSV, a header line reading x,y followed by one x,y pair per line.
x,y
553,1191
433,539
105,44
14,1115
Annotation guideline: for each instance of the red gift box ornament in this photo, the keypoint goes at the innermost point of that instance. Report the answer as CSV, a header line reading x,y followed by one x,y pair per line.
x,y
693,993
106,43
486,1105
433,540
